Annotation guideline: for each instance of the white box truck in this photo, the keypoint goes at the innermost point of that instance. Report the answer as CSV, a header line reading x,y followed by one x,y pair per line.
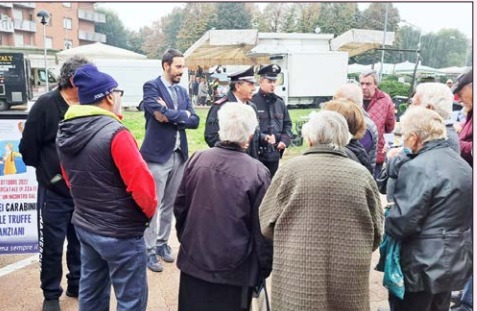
x,y
310,78
131,74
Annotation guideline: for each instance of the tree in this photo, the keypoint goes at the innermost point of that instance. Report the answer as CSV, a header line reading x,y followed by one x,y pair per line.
x,y
308,15
232,15
446,48
136,41
116,34
373,17
337,18
154,40
198,18
171,26
273,17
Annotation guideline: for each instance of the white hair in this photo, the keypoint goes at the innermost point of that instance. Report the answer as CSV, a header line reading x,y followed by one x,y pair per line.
x,y
436,96
326,128
351,92
236,122
425,123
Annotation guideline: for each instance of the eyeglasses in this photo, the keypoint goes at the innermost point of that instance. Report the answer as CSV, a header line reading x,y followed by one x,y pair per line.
x,y
121,92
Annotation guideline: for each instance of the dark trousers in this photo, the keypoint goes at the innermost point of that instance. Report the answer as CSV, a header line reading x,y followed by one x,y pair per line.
x,y
420,301
54,225
272,167
198,295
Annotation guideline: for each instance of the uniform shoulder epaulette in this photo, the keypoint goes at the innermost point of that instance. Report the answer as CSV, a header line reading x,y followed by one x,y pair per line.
x,y
221,101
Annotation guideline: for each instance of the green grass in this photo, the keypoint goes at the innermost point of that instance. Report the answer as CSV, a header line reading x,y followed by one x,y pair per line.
x,y
134,121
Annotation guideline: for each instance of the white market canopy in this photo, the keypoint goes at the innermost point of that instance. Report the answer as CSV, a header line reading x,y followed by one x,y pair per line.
x,y
454,70
99,50
391,69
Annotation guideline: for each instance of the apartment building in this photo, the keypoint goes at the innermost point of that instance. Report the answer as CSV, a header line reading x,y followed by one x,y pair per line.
x,y
71,24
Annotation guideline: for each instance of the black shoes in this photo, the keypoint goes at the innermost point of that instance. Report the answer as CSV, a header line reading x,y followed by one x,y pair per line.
x,y
51,305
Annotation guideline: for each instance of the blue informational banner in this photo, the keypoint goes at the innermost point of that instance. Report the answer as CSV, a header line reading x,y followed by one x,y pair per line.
x,y
18,191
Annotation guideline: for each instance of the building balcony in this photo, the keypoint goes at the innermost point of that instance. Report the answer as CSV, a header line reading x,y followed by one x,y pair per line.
x,y
6,26
6,4
21,24
91,36
91,16
28,5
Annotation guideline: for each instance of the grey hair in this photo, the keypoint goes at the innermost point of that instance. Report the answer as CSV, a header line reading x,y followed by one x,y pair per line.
x,y
425,123
68,70
236,122
351,92
370,73
326,128
436,96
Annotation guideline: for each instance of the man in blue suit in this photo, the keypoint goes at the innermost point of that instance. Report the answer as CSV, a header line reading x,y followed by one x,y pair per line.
x,y
168,112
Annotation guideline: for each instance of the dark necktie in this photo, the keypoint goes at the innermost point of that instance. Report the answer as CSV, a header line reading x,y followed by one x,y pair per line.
x,y
174,96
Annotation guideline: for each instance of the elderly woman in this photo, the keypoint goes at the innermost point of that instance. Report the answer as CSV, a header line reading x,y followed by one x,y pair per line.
x,y
431,216
357,127
438,97
324,215
353,93
223,255
434,96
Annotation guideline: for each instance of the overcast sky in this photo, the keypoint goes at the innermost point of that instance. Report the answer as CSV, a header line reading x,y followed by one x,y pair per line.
x,y
430,16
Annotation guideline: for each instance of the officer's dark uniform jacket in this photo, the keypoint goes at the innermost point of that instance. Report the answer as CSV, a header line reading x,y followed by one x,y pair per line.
x,y
102,205
274,119
432,217
211,133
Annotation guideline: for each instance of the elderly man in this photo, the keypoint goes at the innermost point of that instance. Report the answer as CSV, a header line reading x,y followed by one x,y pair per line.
x,y
380,108
168,112
55,205
274,120
113,192
353,93
324,214
242,87
463,88
431,216
223,255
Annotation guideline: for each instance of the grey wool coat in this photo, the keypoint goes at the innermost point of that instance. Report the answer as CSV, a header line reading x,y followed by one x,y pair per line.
x,y
324,214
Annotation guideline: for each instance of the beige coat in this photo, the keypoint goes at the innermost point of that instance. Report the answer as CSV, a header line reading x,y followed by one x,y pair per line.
x,y
324,215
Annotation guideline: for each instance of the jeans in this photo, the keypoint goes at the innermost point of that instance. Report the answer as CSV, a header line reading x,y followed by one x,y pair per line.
x,y
168,177
106,260
467,293
54,225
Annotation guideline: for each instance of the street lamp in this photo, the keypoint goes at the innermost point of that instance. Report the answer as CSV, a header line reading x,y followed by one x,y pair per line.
x,y
44,18
418,56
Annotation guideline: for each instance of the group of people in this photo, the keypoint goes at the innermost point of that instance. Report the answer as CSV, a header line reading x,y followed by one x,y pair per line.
x,y
314,221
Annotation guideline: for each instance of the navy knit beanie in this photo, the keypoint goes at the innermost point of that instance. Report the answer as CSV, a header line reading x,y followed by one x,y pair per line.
x,y
92,84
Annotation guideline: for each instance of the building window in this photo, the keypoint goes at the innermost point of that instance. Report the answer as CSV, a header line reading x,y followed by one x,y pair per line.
x,y
67,4
67,23
49,42
19,40
68,44
17,14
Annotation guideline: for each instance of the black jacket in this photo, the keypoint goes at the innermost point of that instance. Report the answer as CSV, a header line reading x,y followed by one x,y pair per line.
x,y
432,216
211,132
217,223
37,144
274,119
355,151
102,204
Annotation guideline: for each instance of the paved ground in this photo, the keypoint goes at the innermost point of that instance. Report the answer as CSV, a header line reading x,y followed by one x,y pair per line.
x,y
20,289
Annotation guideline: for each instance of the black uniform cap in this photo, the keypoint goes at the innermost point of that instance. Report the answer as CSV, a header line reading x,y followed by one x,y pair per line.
x,y
244,75
462,80
270,71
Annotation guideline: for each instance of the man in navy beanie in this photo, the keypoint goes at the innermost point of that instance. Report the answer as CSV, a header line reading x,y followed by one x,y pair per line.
x,y
113,191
